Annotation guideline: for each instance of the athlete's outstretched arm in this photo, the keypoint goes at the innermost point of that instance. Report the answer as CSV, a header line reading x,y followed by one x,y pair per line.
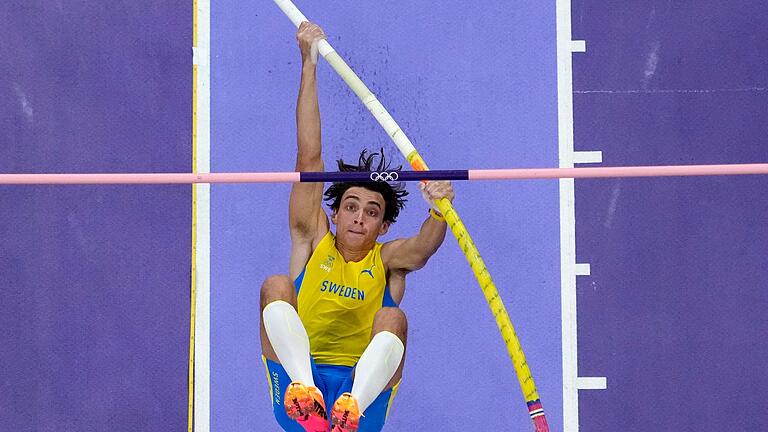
x,y
413,253
306,219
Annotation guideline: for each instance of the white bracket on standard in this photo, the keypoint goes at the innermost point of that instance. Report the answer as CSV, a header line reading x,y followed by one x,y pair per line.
x,y
591,383
579,46
587,157
195,60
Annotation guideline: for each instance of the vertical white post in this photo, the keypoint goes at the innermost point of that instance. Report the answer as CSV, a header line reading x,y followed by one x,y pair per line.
x,y
202,224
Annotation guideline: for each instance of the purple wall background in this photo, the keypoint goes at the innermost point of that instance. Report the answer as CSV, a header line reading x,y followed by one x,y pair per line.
x,y
94,280
674,312
472,90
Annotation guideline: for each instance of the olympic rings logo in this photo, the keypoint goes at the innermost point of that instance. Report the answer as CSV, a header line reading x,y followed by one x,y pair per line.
x,y
384,176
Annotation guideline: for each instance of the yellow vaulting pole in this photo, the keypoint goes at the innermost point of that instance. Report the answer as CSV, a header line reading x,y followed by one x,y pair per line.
x,y
452,218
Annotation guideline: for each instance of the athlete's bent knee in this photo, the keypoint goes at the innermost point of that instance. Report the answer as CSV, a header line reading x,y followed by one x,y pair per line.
x,y
391,319
277,287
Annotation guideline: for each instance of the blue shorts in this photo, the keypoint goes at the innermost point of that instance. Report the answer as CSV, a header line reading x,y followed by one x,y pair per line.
x,y
332,381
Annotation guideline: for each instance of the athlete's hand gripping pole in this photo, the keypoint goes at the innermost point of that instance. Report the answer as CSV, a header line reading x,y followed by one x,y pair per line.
x,y
452,218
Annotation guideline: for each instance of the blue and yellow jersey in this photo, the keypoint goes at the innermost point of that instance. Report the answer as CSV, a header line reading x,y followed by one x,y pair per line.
x,y
337,301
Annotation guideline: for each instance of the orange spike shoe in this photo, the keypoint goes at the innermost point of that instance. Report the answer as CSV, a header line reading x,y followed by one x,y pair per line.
x,y
345,414
305,404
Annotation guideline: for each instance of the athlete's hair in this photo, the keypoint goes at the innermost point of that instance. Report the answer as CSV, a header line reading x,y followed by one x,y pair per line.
x,y
393,192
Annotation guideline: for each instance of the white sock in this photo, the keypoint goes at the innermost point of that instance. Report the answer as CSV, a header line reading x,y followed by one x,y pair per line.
x,y
289,339
376,367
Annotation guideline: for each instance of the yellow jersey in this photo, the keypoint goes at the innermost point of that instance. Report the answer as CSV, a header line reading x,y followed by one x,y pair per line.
x,y
337,301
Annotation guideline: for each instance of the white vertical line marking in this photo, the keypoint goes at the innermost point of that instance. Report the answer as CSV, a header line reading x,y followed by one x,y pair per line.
x,y
203,209
567,218
568,306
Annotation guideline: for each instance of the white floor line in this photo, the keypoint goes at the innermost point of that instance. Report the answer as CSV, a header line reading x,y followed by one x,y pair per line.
x,y
578,46
583,269
203,209
680,91
588,156
592,383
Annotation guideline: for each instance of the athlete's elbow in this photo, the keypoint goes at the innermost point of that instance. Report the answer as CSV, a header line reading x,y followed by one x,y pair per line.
x,y
310,160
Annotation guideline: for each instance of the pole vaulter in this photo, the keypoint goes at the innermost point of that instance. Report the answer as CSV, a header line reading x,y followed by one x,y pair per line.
x,y
452,218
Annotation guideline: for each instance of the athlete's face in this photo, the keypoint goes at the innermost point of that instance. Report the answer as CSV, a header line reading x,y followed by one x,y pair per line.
x,y
360,218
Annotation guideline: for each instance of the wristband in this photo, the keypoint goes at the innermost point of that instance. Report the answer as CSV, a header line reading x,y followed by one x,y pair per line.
x,y
436,215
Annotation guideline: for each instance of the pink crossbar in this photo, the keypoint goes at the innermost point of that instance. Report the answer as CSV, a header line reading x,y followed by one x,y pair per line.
x,y
478,174
602,172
